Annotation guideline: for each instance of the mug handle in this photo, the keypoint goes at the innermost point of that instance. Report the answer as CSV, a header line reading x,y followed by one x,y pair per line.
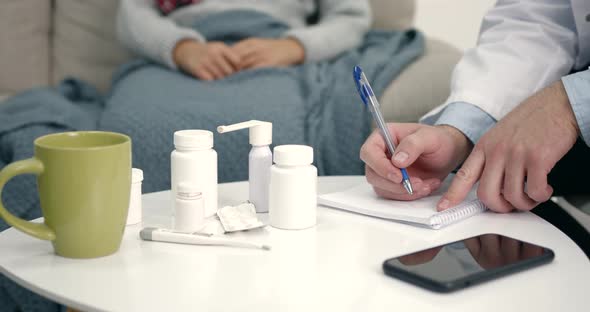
x,y
34,166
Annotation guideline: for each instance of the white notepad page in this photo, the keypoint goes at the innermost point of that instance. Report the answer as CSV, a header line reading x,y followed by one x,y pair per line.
x,y
362,199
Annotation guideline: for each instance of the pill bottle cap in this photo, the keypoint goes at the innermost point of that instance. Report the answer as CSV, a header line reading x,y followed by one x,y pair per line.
x,y
293,155
193,139
136,175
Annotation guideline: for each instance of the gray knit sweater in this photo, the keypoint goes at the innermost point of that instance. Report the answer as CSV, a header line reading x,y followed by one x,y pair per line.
x,y
342,24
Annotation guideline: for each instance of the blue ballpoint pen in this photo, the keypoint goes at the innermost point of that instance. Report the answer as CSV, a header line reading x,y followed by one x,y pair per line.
x,y
370,100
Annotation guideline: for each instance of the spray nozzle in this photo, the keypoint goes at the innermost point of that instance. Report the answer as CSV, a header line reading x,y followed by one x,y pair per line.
x,y
260,131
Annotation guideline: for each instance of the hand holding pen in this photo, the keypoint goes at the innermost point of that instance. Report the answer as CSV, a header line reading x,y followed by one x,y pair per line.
x,y
370,100
429,153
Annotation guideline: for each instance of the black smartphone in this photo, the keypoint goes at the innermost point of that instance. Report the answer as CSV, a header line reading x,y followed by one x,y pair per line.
x,y
467,262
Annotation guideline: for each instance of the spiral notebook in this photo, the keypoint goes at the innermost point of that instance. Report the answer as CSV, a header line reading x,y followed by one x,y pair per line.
x,y
422,212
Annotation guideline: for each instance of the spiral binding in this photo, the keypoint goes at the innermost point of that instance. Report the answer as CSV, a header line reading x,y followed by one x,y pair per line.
x,y
457,213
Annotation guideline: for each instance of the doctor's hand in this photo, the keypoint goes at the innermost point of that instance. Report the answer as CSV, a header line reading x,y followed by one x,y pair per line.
x,y
513,159
429,153
258,52
206,61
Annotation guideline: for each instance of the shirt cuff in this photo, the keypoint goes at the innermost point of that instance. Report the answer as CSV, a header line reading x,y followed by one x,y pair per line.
x,y
471,120
577,87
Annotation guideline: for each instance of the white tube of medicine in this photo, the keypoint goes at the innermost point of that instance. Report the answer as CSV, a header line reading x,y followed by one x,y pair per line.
x,y
189,210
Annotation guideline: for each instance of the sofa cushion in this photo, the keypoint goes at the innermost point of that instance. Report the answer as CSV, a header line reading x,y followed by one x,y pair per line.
x,y
423,85
393,14
24,44
85,45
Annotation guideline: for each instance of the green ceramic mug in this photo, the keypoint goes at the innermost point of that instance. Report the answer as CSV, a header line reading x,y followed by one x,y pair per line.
x,y
84,180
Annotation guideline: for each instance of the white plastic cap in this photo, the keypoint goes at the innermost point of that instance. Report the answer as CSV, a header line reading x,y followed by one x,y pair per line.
x,y
193,139
293,155
260,131
136,175
188,191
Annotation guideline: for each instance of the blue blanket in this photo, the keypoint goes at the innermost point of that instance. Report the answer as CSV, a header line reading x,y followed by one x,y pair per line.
x,y
314,104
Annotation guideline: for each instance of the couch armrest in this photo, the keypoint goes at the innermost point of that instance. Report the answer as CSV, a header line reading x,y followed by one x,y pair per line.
x,y
423,85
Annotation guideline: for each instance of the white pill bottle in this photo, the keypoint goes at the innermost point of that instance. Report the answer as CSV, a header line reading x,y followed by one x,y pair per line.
x,y
293,188
194,161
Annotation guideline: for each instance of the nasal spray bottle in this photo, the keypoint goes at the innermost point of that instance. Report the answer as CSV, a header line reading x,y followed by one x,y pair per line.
x,y
259,159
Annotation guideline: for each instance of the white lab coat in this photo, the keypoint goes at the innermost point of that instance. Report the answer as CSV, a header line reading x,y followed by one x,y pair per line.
x,y
524,46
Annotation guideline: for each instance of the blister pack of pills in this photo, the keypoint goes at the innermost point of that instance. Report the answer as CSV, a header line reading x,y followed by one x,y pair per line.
x,y
239,218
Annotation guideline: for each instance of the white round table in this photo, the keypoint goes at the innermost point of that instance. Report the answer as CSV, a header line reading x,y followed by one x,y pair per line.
x,y
335,266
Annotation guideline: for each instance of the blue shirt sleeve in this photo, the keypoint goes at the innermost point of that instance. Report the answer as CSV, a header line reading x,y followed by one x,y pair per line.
x,y
577,87
468,118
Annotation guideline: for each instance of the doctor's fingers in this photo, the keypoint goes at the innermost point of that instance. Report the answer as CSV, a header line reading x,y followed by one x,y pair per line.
x,y
422,188
491,181
464,180
514,178
424,140
537,187
373,154
401,194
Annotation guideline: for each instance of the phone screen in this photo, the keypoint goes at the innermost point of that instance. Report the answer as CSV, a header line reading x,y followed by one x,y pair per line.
x,y
466,262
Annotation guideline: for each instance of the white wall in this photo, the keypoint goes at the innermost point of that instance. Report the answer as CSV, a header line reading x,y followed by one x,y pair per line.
x,y
455,21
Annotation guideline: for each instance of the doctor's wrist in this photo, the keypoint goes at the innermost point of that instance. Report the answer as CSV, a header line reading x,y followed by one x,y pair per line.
x,y
462,145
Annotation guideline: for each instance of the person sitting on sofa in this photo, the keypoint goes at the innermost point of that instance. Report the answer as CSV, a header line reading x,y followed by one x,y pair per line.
x,y
290,63
161,30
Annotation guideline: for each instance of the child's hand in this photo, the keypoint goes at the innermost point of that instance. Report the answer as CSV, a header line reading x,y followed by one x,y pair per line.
x,y
206,61
257,52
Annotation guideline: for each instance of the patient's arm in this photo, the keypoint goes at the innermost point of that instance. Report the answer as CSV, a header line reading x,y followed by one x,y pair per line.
x,y
142,29
342,26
